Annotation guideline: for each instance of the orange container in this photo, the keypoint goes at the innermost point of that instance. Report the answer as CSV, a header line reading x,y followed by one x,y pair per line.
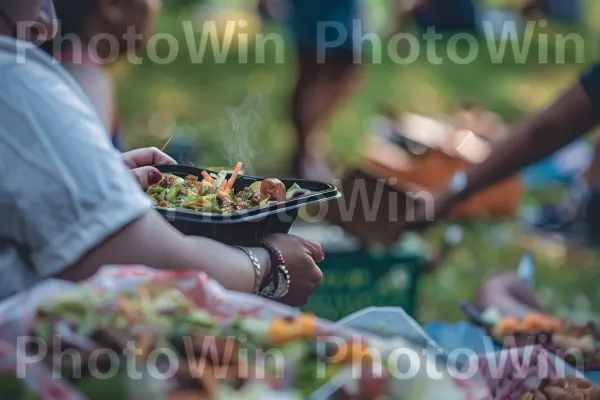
x,y
433,171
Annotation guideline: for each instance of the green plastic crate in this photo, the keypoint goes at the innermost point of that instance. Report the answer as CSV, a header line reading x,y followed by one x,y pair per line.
x,y
359,279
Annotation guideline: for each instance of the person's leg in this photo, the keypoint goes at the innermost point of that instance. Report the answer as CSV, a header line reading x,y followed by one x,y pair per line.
x,y
510,295
322,82
447,15
319,91
533,9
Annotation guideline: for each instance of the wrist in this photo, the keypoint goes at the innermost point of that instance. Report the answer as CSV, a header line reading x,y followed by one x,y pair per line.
x,y
264,260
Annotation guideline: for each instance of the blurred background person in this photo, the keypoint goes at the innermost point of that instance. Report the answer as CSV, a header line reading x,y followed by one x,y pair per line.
x,y
89,19
321,85
446,15
570,117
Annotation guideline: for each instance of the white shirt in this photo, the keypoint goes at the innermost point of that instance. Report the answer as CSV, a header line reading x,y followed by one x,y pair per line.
x,y
63,187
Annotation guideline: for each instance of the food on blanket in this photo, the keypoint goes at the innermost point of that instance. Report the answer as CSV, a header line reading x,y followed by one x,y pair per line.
x,y
507,326
285,330
215,194
215,356
564,389
554,335
532,324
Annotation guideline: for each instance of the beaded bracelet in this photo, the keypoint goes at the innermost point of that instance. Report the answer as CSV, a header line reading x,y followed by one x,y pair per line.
x,y
277,285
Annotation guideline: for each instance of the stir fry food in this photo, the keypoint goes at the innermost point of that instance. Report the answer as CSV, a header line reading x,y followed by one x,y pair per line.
x,y
564,389
215,193
553,334
205,357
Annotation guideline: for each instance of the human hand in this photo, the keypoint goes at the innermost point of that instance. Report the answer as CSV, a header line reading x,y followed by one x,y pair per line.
x,y
300,256
141,162
428,213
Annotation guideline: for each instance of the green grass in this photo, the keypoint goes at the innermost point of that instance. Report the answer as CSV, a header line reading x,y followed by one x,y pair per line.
x,y
200,100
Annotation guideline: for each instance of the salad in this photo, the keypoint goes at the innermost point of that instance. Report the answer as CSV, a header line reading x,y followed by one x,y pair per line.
x,y
216,358
215,194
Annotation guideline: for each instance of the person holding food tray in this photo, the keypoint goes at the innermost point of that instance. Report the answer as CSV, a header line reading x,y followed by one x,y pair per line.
x,y
70,203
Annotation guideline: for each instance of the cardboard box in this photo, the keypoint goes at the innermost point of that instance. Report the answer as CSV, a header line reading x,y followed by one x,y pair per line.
x,y
433,171
370,209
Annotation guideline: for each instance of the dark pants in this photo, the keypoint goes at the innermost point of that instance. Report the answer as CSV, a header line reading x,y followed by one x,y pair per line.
x,y
448,15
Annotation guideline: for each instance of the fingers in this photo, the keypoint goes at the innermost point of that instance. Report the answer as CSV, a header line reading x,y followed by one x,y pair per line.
x,y
145,157
315,250
316,277
147,176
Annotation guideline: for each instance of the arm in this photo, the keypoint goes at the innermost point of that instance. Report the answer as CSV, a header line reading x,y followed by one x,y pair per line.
x,y
151,241
510,295
570,117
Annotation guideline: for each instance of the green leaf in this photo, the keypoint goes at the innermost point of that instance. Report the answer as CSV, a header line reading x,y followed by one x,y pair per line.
x,y
173,193
212,208
295,186
155,189
188,200
255,186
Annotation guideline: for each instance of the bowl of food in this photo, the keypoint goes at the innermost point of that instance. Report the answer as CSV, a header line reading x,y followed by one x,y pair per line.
x,y
577,344
230,207
564,388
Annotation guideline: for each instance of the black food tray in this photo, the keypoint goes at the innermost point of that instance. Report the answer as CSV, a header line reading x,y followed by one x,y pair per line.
x,y
248,227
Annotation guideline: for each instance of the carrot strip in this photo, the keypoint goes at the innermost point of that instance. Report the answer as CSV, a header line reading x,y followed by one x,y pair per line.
x,y
144,296
145,342
208,379
207,177
234,175
223,186
126,308
223,195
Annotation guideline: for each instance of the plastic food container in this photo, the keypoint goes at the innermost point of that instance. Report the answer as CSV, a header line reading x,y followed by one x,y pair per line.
x,y
247,227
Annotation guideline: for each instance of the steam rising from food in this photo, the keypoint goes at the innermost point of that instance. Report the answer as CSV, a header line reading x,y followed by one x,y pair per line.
x,y
240,130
